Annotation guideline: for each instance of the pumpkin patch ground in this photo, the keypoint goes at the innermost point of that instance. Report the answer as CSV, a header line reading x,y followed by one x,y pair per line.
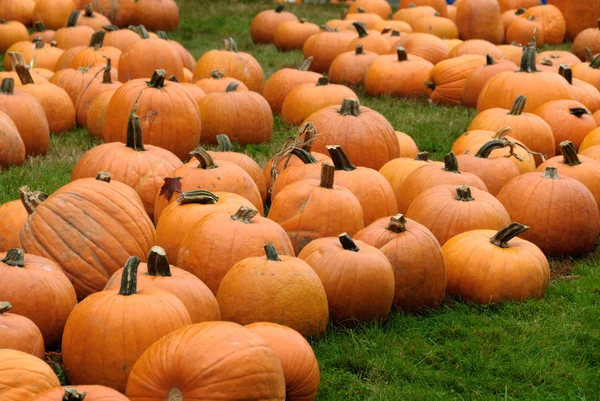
x,y
477,342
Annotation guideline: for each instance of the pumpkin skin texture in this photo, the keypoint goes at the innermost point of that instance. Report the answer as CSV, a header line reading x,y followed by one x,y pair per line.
x,y
96,53
12,32
581,91
12,217
477,47
366,136
25,274
230,356
88,17
448,210
120,38
446,80
72,39
73,81
552,21
83,214
12,147
523,30
216,82
97,113
589,38
480,19
416,258
591,139
408,147
424,45
53,13
411,15
507,269
283,81
349,68
588,71
265,24
309,168
232,63
323,47
535,198
438,26
291,35
439,5
379,7
578,15
19,332
156,14
23,376
343,263
92,393
506,5
260,289
118,11
477,79
21,11
89,94
90,358
298,361
512,52
371,41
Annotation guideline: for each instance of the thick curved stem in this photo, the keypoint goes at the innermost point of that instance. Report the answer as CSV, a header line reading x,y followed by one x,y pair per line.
x,y
340,158
206,162
579,111
569,153
15,257
507,233
347,243
361,29
271,253
327,175
23,74
198,196
158,263
129,278
110,28
304,156
350,106
451,163
463,194
486,150
224,143
97,39
397,223
143,32
502,132
73,17
518,106
244,214
309,133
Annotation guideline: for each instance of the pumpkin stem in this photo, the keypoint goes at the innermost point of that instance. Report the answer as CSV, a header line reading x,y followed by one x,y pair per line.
x,y
485,151
110,28
162,35
271,253
502,132
589,56
547,62
552,173
304,156
401,52
15,257
97,39
89,10
106,77
135,136
451,163
129,278
305,65
279,8
72,394
244,214
463,194
206,162
38,26
359,50
39,44
309,133
323,81
386,30
395,33
8,86
23,73
397,223
489,59
31,200
230,45
198,196
595,64
224,143
326,28
350,106
518,106
579,111
430,85
216,74
103,176
5,307
158,79
73,17
347,242
507,233
361,29
232,87
143,32
566,72
423,156
158,264
54,43
528,60
327,175
520,11
569,153
340,158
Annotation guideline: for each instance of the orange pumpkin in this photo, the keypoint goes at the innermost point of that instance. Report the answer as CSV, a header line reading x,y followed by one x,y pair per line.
x,y
477,79
93,90
446,81
120,38
156,14
477,46
21,11
369,19
526,30
588,38
578,15
515,4
349,68
284,80
323,47
265,24
552,21
53,13
12,217
97,112
429,47
12,150
24,376
118,11
216,82
441,27
11,32
480,19
510,15
36,53
588,71
411,15
439,5
379,7
581,91
96,53
309,168
291,35
20,333
39,30
88,17
512,52
371,41
408,147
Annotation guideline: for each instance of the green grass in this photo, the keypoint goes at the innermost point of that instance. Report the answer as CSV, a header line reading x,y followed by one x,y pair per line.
x,y
538,350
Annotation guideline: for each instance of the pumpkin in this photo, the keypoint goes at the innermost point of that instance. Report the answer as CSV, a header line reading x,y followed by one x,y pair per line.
x,y
515,4
202,248
588,71
446,81
399,26
156,14
74,81
118,11
305,99
480,19
342,263
309,168
342,25
284,80
367,18
569,120
411,15
96,53
593,152
323,47
24,275
179,217
502,90
366,136
597,117
88,17
506,268
591,139
349,68
305,209
578,15
379,7
93,90
20,333
120,38
510,15
11,32
28,116
441,27
21,11
217,111
512,52
391,35
416,258
477,46
524,30
232,63
89,392
216,82
178,132
73,35
232,357
581,91
12,148
40,30
424,45
552,21
371,41
408,147
97,112
298,361
53,13
88,358
291,35
588,38
382,75
558,57
36,52
201,172
265,24
12,217
439,5
542,201
252,289
24,376
477,79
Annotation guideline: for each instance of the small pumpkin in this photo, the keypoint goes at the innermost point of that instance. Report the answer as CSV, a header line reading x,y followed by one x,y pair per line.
x,y
156,14
24,376
369,19
441,27
408,147
524,30
91,91
42,55
11,32
309,168
581,91
424,45
379,7
265,23
477,79
323,47
438,5
588,38
88,17
477,46
588,71
40,30
97,112
72,35
53,13
12,217
216,82
512,52
20,333
284,80
371,41
510,15
552,21
120,38
349,68
410,15
291,35
96,53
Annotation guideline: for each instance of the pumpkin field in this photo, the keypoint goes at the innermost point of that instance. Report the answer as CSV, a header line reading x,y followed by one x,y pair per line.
x,y
264,200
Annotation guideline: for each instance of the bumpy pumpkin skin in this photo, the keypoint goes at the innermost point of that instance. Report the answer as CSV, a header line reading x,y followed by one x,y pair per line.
x,y
298,361
23,376
19,333
579,15
12,217
21,11
92,393
230,356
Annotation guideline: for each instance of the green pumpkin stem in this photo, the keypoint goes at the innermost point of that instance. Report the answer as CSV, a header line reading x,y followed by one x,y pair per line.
x,y
38,26
158,263
5,307
158,79
271,253
430,85
401,52
89,10
518,106
423,156
327,28
216,74
569,153
279,8
110,28
350,106
489,59
135,136
528,60
304,156
520,11
327,175
224,143
486,150
244,214
305,65
129,278
360,28
72,394
205,160
15,257
198,196
143,32
39,44
507,233
347,243
8,86
579,111
595,64
566,72
73,17
103,176
397,223
106,77
230,45
463,194
162,35
31,200
589,56
359,50
97,39
451,163
340,158
232,87
551,172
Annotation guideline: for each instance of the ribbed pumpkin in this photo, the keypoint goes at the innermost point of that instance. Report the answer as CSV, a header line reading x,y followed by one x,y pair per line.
x,y
45,55
92,91
232,63
379,7
515,4
244,116
349,68
93,218
357,277
156,14
40,30
89,358
38,289
480,19
446,81
311,209
439,5
284,80
88,17
53,13
97,112
74,81
477,46
591,139
581,91
216,82
588,38
416,258
410,15
542,201
201,172
276,288
87,392
306,99
578,15
441,27
477,79
366,136
368,19
24,376
11,32
588,71
28,116
370,40
71,36
265,23
172,120
429,47
485,266
309,168
12,217
120,38
408,147
400,26
382,76
19,332
552,21
118,11
12,147
510,15
21,11
230,357
323,47
512,52
525,30
96,53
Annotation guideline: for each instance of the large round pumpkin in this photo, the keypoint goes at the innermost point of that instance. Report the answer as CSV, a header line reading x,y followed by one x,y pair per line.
x,y
588,38
265,23
156,14
581,91
19,332
24,376
579,15
53,13
446,81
